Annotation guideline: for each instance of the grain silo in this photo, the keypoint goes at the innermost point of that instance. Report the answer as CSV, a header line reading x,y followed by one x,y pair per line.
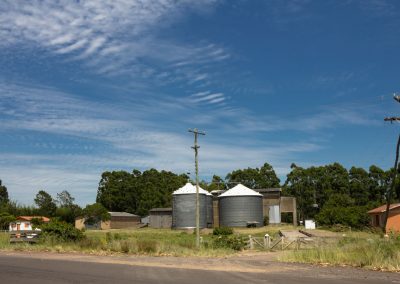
x,y
240,207
184,207
209,209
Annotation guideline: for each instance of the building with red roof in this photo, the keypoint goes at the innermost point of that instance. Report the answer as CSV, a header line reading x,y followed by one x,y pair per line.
x,y
24,223
378,216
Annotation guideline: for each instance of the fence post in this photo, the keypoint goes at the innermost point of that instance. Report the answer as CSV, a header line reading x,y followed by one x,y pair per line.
x,y
251,242
282,242
267,241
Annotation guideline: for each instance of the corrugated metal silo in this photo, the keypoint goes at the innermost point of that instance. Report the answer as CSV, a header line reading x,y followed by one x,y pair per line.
x,y
240,206
184,207
210,210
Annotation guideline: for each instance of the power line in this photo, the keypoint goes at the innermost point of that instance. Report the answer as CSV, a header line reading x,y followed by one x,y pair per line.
x,y
196,147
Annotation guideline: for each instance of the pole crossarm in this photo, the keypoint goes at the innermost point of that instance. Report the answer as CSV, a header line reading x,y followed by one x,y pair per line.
x,y
391,119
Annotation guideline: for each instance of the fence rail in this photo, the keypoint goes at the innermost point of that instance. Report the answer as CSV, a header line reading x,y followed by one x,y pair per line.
x,y
24,236
281,242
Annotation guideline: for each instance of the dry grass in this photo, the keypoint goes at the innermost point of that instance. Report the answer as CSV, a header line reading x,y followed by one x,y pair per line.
x,y
357,249
146,241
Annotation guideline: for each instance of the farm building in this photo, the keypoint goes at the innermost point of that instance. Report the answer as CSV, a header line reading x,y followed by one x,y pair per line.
x,y
378,214
118,220
24,223
160,218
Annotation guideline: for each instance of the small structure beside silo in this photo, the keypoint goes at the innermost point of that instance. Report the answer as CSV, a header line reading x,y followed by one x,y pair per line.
x,y
160,218
240,206
118,220
274,205
184,207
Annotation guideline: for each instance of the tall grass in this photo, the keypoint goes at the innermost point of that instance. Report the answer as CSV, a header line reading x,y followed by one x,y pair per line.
x,y
146,241
373,252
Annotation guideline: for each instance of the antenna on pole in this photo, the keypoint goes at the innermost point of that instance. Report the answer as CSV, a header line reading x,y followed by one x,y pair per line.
x,y
396,97
196,147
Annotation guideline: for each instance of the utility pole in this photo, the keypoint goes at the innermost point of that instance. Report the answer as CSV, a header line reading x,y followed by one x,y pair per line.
x,y
196,132
390,190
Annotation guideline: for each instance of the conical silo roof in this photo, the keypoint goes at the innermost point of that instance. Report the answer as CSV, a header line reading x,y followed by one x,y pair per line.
x,y
189,188
240,190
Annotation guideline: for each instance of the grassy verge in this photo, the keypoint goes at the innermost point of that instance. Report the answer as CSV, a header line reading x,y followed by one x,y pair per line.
x,y
355,249
146,241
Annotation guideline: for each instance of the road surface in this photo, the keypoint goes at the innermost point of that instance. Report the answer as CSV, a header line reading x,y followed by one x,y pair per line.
x,y
48,268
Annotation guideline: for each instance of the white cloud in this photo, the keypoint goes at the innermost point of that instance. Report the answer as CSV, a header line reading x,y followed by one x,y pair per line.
x,y
108,36
114,136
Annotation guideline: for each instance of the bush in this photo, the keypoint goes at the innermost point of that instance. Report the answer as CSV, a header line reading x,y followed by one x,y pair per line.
x,y
266,220
232,242
62,231
222,231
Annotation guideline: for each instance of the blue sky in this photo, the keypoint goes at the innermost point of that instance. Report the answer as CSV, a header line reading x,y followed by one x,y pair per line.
x,y
90,86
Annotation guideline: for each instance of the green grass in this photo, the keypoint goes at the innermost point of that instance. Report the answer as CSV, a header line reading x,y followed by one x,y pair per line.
x,y
144,241
362,249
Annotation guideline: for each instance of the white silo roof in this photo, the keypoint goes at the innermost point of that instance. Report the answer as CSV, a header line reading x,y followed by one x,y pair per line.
x,y
240,190
190,189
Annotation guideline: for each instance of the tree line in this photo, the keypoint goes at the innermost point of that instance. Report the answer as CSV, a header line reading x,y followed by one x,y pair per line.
x,y
330,194
62,208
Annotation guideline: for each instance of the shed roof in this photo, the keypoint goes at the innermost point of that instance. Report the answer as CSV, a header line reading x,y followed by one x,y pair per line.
x,y
240,190
122,214
190,189
277,189
160,210
382,208
29,218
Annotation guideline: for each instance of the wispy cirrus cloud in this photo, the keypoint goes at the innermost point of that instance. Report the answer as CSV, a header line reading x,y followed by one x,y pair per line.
x,y
128,134
207,98
111,38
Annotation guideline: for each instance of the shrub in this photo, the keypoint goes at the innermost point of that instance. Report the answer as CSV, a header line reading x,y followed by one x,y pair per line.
x,y
232,242
62,231
266,220
222,231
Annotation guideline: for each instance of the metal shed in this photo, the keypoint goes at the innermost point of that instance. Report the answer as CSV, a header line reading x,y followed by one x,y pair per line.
x,y
160,218
240,206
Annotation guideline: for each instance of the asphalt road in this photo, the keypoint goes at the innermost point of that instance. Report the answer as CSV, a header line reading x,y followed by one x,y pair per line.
x,y
26,269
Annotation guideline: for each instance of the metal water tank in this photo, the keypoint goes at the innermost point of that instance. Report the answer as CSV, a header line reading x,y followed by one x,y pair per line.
x,y
184,207
240,206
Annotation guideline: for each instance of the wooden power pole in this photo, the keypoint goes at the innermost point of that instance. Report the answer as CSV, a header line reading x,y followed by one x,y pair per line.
x,y
392,186
196,147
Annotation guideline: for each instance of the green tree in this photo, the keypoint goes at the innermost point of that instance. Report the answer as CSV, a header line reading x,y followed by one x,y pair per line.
x,y
45,203
67,210
217,183
341,209
5,220
95,212
379,183
359,185
313,186
118,191
3,194
65,199
138,192
264,177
